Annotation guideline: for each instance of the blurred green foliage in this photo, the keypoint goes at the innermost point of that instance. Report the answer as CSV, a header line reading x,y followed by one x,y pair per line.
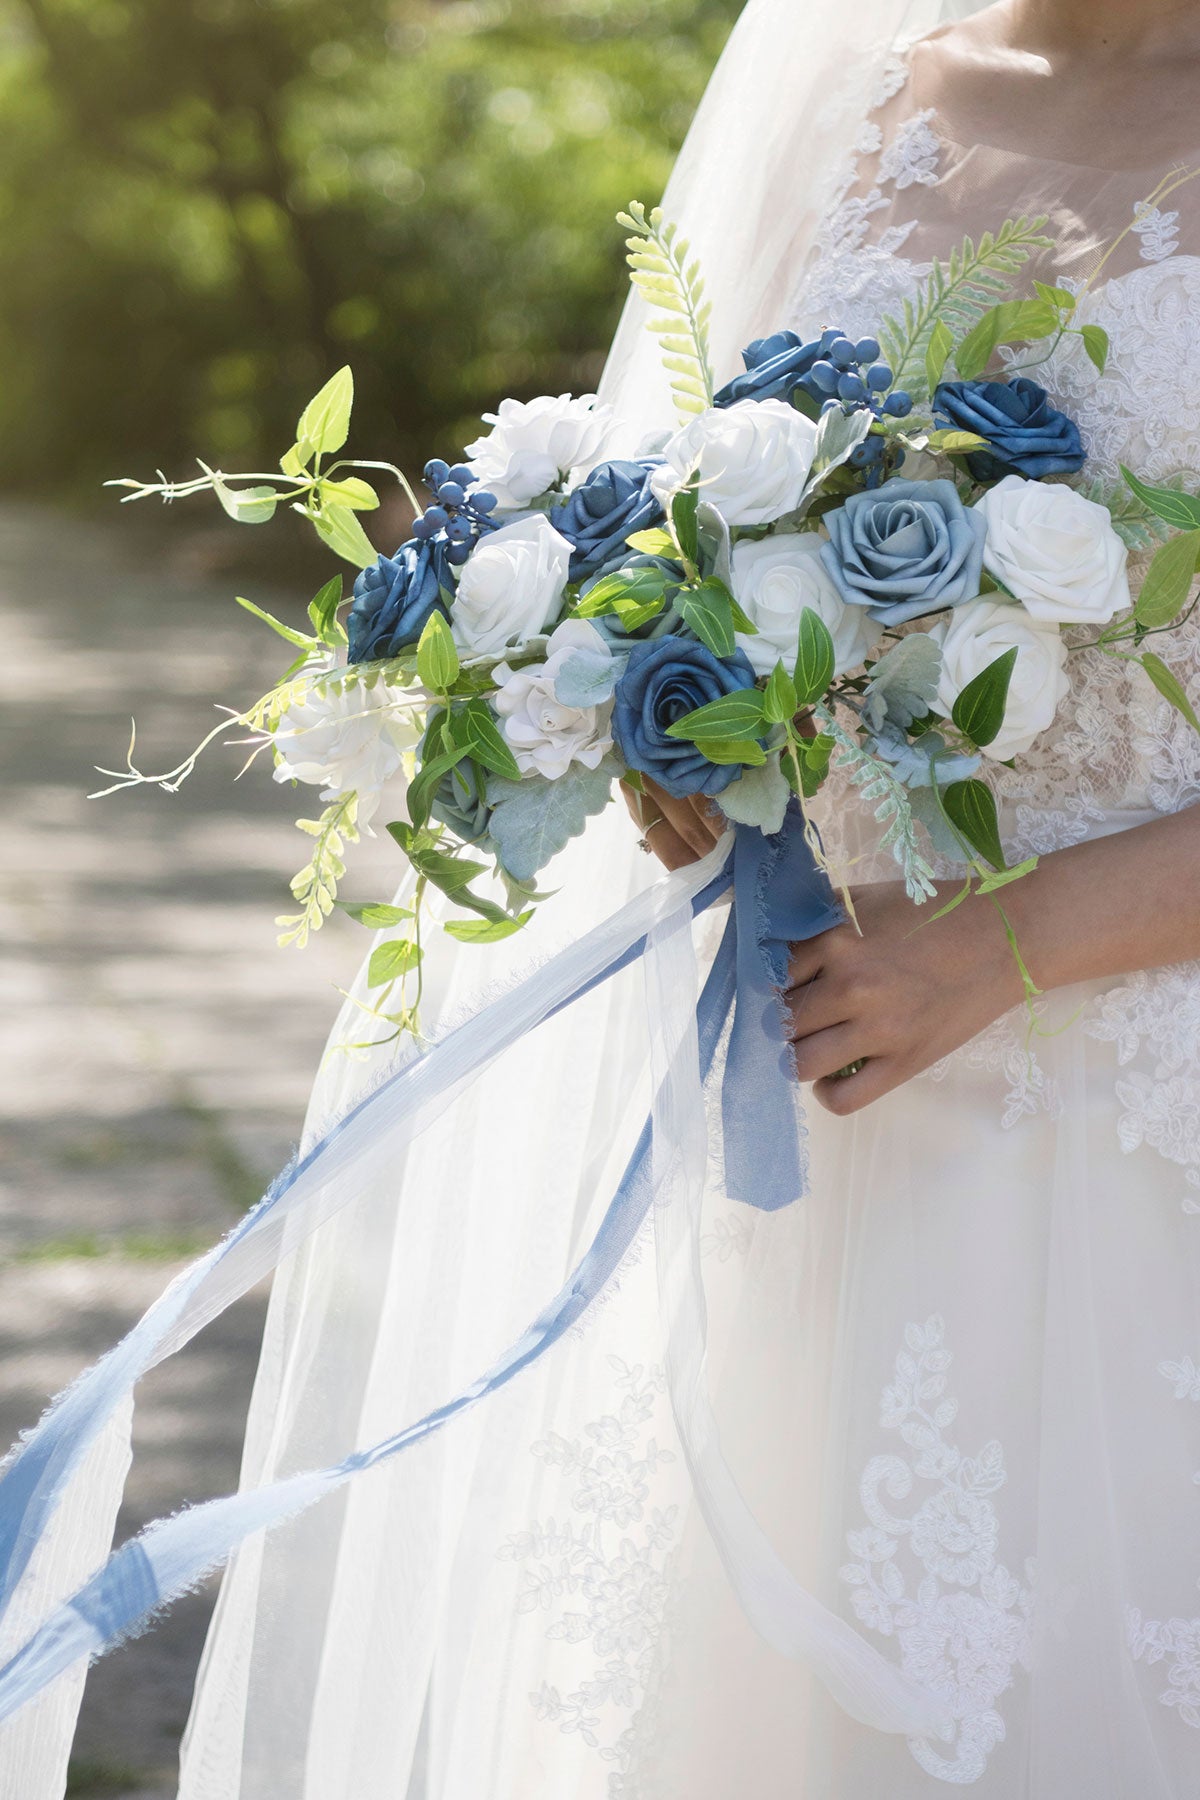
x,y
207,205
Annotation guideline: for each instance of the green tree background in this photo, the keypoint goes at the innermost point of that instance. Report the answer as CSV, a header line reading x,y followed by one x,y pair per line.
x,y
208,205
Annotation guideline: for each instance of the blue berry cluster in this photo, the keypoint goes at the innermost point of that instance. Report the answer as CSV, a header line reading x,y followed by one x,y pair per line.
x,y
460,515
852,375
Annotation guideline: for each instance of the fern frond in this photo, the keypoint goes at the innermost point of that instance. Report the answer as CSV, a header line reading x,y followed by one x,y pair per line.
x,y
893,809
1132,519
958,293
316,885
669,280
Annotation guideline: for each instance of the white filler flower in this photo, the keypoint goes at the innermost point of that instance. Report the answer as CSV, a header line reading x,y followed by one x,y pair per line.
x,y
1056,551
512,588
774,580
753,460
344,737
534,444
545,736
974,635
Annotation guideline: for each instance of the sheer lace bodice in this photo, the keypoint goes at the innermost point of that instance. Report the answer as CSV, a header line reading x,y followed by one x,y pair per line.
x,y
912,194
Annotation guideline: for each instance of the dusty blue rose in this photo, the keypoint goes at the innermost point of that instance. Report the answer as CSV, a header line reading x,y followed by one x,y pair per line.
x,y
775,367
664,681
394,598
615,501
1025,434
460,802
908,549
609,625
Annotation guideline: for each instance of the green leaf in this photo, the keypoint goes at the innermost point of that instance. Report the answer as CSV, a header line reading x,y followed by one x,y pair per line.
x,y
941,343
815,658
249,506
780,702
300,638
979,710
1096,343
485,931
295,461
655,542
989,884
350,491
325,421
424,785
449,874
1170,687
1168,581
726,751
474,727
392,961
956,443
1061,298
708,611
323,610
683,518
971,808
1180,510
437,655
627,588
338,527
375,915
733,715
1012,322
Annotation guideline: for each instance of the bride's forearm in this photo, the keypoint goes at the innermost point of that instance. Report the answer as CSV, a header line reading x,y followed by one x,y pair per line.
x,y
1111,905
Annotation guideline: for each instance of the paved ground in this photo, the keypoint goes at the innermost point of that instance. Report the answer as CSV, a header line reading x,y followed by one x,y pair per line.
x,y
155,1047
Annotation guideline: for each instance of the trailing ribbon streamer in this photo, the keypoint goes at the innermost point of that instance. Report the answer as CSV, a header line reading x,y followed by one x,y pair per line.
x,y
779,896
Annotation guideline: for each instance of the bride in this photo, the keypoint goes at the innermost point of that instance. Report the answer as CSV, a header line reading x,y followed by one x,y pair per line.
x,y
958,1385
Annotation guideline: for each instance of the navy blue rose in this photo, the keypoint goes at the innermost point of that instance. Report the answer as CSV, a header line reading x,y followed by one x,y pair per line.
x,y
1025,434
663,682
908,549
394,598
775,367
615,501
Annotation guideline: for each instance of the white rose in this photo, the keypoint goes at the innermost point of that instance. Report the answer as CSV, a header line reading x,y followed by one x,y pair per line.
x,y
545,736
344,737
534,444
512,587
753,459
1057,552
774,579
974,635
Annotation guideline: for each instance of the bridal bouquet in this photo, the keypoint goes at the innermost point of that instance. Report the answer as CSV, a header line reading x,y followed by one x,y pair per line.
x,y
843,559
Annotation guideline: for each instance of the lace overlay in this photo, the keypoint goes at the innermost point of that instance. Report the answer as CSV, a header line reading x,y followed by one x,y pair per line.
x,y
1173,1643
1117,754
963,1625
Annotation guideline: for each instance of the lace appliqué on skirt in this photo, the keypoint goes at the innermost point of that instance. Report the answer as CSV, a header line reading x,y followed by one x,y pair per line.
x,y
1175,1642
966,1627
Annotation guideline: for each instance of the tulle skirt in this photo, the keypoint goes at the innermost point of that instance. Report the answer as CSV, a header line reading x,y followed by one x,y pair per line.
x,y
957,1384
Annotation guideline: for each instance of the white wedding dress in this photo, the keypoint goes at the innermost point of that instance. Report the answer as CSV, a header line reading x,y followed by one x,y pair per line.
x,y
960,1384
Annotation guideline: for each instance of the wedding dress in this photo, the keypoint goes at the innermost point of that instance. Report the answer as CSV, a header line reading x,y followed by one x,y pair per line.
x,y
957,1385
960,1383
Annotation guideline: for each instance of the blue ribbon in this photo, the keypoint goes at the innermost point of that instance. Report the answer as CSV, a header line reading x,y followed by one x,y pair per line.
x,y
780,896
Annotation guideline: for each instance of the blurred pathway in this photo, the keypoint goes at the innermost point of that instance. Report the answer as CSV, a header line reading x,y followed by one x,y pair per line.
x,y
155,1047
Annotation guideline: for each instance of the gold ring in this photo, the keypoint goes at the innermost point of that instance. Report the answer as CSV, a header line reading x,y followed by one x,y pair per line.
x,y
854,1068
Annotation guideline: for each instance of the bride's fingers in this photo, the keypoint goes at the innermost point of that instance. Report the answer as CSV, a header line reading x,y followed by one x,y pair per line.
x,y
850,1093
824,1053
685,822
811,1007
712,820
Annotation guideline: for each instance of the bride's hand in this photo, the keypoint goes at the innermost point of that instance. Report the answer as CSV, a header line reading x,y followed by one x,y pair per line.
x,y
901,996
678,831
